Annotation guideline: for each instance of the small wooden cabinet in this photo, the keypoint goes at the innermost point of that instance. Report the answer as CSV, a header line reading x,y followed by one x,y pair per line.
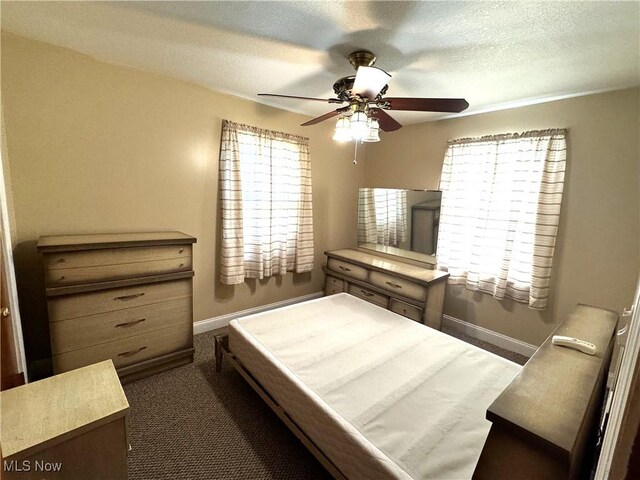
x,y
124,297
409,290
69,426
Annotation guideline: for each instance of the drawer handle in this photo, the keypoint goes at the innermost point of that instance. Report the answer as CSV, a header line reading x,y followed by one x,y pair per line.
x,y
181,250
132,352
129,297
344,269
367,294
131,323
394,285
61,260
181,265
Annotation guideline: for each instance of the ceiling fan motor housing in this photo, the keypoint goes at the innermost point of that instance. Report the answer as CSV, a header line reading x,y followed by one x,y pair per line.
x,y
343,86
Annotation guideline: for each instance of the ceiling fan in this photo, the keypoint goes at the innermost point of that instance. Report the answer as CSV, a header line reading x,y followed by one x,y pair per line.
x,y
365,109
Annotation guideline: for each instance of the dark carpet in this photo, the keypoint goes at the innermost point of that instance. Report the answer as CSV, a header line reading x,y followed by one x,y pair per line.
x,y
191,423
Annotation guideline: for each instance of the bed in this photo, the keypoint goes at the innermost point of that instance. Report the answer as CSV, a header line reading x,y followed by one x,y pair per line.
x,y
350,378
372,394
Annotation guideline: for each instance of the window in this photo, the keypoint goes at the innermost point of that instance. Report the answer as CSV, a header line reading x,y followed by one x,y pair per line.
x,y
501,200
265,190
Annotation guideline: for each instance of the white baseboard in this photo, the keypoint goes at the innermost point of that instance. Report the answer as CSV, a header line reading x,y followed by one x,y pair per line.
x,y
202,326
489,336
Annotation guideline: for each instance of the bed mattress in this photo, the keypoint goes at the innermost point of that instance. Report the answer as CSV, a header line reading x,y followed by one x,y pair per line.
x,y
381,395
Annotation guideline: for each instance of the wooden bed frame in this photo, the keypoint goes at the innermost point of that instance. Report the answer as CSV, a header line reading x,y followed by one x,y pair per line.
x,y
541,423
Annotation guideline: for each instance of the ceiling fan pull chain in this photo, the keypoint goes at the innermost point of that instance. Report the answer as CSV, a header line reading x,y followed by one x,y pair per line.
x,y
355,153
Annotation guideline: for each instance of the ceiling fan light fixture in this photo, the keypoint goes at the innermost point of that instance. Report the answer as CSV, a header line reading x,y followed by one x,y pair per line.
x,y
373,133
370,81
359,126
343,130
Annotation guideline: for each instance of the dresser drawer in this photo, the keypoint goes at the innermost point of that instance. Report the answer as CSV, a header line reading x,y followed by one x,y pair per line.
x,y
84,304
406,310
335,282
127,351
77,333
399,286
114,256
332,290
347,269
71,268
369,296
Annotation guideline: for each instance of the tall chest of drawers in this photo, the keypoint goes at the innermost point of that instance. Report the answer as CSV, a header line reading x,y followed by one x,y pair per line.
x,y
409,290
124,297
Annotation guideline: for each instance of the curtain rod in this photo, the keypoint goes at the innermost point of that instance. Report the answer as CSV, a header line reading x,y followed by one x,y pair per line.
x,y
263,131
507,136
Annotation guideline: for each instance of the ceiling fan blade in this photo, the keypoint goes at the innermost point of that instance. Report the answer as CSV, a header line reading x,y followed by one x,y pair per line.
x,y
325,100
324,117
454,105
387,122
369,81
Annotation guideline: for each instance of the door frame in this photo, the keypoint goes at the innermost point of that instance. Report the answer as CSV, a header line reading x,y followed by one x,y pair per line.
x,y
7,249
612,449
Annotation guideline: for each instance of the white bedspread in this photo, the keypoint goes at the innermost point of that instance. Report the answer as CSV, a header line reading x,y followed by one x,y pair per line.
x,y
382,396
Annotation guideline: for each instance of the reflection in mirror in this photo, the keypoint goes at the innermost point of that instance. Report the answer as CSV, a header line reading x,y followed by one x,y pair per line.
x,y
399,222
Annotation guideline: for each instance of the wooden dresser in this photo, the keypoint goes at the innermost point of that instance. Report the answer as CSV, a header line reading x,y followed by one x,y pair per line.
x,y
68,426
124,297
409,290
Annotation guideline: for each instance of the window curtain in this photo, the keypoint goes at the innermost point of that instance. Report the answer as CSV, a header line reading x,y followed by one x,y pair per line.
x,y
501,199
391,216
265,193
382,216
367,231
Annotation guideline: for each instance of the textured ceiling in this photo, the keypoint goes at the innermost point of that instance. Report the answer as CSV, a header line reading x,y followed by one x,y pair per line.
x,y
494,54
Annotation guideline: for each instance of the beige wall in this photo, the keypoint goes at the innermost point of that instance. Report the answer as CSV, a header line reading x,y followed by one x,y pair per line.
x,y
100,148
597,255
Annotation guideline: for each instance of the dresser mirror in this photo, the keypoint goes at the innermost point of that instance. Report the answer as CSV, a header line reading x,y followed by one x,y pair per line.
x,y
399,222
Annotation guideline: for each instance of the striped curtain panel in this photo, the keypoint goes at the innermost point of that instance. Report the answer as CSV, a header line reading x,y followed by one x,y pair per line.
x,y
391,216
265,193
367,231
501,199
